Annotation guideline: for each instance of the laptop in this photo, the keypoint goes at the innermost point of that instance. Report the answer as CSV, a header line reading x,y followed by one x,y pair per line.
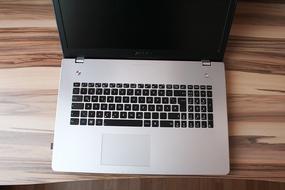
x,y
142,87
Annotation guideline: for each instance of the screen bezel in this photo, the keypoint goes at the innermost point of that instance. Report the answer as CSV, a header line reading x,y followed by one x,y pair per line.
x,y
143,53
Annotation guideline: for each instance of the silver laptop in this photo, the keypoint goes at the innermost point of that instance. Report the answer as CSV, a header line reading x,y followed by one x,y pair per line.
x,y
142,88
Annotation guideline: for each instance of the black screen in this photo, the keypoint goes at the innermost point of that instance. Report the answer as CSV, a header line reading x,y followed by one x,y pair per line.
x,y
178,25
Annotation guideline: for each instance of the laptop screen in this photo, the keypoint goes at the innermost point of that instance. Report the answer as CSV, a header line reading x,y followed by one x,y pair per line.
x,y
182,27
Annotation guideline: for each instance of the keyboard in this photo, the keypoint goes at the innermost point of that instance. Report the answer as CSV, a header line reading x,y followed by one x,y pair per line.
x,y
142,105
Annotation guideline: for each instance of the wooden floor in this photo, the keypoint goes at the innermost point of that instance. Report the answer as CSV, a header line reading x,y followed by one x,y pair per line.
x,y
30,57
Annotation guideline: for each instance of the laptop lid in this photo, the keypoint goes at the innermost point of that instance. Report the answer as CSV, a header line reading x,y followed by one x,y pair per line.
x,y
144,29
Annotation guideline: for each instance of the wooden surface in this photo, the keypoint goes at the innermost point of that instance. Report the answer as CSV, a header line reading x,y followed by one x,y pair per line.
x,y
29,73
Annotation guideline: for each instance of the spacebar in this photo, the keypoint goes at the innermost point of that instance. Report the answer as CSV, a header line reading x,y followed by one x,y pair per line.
x,y
117,122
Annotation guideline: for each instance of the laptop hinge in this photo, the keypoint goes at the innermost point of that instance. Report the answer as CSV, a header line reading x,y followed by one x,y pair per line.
x,y
79,60
206,63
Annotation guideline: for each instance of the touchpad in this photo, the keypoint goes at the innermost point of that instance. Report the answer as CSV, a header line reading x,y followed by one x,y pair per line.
x,y
125,150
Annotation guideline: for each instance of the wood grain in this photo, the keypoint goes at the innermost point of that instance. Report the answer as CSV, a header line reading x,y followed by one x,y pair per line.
x,y
30,57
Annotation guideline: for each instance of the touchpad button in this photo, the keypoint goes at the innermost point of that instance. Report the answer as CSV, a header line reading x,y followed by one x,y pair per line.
x,y
125,150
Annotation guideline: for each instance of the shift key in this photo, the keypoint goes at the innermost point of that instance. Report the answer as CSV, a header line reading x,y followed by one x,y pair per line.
x,y
173,115
166,123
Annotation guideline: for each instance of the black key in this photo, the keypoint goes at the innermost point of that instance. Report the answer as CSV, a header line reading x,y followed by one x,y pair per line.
x,y
77,98
190,93
147,115
203,87
83,91
182,86
99,114
99,91
131,115
141,99
104,106
110,99
94,99
91,121
126,99
154,86
209,87
197,108
74,113
114,92
175,108
138,92
190,100
190,86
112,85
169,86
99,122
153,92
84,84
77,105
163,116
155,123
112,106
143,107
133,85
123,115
122,92
177,124
173,115
197,116
91,85
204,116
196,86
83,121
147,123
166,123
166,107
190,116
196,93
165,100
140,85
105,85
210,124
87,98
83,113
210,117
107,91
159,108
126,85
176,86
149,100
179,92
139,115
197,124
183,116
182,103
210,105
147,86
91,91
151,108
91,114
191,124
134,100
155,115
131,123
75,91
203,108
130,92
197,101
168,92
128,107
76,84
118,99
190,108
97,85
183,124
209,93
203,100
203,93
136,107
161,92
157,100
115,114
145,92
173,100
96,106
120,107
102,99
204,124
119,85
161,86
74,121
